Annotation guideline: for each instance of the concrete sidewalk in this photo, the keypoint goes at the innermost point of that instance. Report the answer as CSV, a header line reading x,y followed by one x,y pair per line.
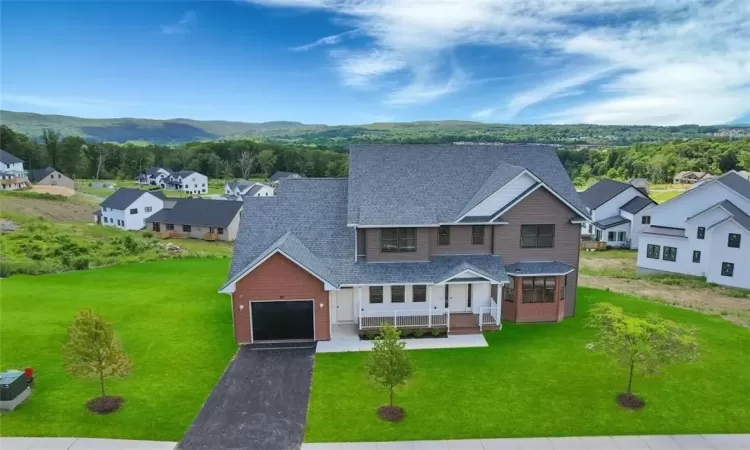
x,y
82,444
452,341
677,442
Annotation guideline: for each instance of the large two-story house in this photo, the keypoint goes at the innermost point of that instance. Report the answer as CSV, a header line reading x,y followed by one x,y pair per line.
x,y
12,174
419,236
187,181
619,211
704,231
128,208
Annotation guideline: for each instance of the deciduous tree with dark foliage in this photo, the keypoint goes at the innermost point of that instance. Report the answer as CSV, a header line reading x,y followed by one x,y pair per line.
x,y
93,350
388,365
642,344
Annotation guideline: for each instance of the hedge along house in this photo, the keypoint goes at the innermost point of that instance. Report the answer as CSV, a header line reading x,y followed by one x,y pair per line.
x,y
198,218
401,241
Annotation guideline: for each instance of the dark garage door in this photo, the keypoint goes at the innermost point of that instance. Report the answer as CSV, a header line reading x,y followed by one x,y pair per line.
x,y
281,321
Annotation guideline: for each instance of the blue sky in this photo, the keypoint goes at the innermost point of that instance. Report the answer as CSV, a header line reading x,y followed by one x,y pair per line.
x,y
346,62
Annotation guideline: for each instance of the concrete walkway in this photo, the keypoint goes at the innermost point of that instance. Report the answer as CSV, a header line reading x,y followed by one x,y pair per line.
x,y
679,442
82,444
356,345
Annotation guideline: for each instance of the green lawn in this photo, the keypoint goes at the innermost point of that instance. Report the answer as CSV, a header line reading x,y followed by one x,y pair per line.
x,y
176,329
663,196
539,380
214,187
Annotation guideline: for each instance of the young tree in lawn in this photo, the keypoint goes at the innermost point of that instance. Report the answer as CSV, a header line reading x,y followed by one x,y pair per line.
x,y
388,365
93,350
642,344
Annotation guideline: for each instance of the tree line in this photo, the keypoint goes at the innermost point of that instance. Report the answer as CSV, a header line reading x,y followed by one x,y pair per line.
x,y
231,159
79,158
657,162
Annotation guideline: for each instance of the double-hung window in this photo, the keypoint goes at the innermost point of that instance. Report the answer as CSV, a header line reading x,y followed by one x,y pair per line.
x,y
727,269
652,251
670,253
376,294
733,240
537,236
696,256
419,293
646,220
398,294
444,235
477,234
611,236
701,232
397,240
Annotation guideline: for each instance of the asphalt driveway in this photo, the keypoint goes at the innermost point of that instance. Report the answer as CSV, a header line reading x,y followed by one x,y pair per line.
x,y
259,403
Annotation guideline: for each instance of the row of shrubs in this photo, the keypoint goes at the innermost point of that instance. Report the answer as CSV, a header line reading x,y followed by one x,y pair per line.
x,y
407,333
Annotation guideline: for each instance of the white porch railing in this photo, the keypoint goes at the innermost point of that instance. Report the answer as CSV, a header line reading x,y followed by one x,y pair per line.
x,y
489,315
405,318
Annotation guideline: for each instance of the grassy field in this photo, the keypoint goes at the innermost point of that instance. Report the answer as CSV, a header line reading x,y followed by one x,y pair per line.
x,y
539,380
214,187
78,208
174,326
46,246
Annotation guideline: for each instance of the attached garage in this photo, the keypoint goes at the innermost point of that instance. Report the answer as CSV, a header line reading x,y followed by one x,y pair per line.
x,y
282,320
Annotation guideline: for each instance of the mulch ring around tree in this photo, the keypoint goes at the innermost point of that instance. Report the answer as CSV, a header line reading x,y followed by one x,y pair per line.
x,y
630,401
105,404
391,413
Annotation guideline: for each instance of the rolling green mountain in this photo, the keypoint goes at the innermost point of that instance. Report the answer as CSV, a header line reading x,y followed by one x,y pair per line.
x,y
176,131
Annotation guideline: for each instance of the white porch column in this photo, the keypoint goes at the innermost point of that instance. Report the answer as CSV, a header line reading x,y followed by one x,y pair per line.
x,y
429,306
500,296
359,306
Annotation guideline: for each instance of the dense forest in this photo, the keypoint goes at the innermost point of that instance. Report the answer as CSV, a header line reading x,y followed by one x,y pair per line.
x,y
227,159
181,131
242,158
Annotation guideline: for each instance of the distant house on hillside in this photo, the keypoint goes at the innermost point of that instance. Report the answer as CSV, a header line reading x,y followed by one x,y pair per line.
x,y
12,174
153,176
238,190
278,176
691,177
50,177
199,218
127,208
187,181
619,211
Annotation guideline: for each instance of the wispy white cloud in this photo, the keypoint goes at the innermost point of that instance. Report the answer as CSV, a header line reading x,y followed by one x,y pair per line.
x,y
667,52
184,25
483,114
61,103
327,40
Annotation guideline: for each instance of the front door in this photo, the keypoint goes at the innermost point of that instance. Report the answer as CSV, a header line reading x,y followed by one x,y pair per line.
x,y
344,300
458,296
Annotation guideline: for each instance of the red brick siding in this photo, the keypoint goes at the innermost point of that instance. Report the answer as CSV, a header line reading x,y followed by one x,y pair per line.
x,y
278,278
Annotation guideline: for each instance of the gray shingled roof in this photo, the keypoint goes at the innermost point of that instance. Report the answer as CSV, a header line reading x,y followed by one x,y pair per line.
x,y
636,204
39,174
124,197
539,268
739,216
7,158
253,190
610,222
153,171
735,182
280,175
199,212
431,184
307,221
602,191
665,231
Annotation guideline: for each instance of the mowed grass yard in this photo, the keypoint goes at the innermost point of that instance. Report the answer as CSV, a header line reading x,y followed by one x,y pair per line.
x,y
173,324
540,380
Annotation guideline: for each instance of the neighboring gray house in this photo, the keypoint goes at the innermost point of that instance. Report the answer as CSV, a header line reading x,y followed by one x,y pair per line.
x,y
51,177
419,236
199,218
278,176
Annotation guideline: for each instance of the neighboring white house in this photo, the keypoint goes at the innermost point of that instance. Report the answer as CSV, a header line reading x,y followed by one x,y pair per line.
x,y
704,231
619,211
237,190
278,176
187,181
153,176
128,208
12,174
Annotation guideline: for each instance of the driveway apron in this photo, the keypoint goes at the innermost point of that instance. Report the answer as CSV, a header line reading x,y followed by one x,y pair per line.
x,y
259,403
